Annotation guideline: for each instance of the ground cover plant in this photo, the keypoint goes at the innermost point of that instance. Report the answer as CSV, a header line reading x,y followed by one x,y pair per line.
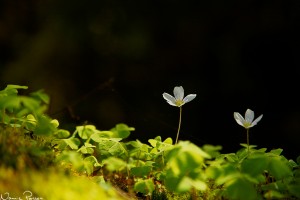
x,y
39,160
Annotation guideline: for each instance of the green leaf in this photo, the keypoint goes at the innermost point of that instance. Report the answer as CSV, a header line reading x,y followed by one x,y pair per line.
x,y
86,131
172,182
61,133
168,141
11,90
44,126
41,95
89,163
54,122
279,168
141,171
121,131
88,167
114,164
293,163
93,160
227,173
298,160
98,136
160,146
212,150
231,157
59,144
276,151
73,143
184,162
213,172
146,187
186,184
138,150
155,141
10,102
87,148
295,190
246,146
254,166
272,194
30,122
31,104
112,146
240,188
72,157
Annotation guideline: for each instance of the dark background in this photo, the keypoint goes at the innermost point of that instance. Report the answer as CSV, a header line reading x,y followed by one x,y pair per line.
x,y
108,62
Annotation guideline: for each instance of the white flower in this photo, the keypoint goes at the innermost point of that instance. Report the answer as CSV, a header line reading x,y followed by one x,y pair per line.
x,y
178,99
248,121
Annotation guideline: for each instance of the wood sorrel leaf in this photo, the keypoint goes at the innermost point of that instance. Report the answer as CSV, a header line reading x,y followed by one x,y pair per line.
x,y
121,131
144,186
86,131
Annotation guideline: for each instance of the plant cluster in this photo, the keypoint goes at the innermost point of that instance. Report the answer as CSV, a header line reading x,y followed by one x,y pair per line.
x,y
158,169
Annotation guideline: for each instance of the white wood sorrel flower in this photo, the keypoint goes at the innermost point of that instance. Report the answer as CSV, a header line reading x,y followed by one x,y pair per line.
x,y
177,99
246,122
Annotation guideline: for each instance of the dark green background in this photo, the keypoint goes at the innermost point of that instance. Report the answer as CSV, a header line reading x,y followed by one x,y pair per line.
x,y
106,62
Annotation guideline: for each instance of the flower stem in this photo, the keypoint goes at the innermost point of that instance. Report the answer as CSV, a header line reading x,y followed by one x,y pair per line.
x,y
178,125
248,140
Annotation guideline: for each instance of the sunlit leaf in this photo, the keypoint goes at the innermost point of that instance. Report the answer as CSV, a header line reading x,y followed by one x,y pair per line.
x,y
12,89
114,164
278,168
86,131
255,166
231,157
10,103
88,167
186,184
240,188
44,126
144,186
122,131
276,151
54,122
168,141
212,150
98,136
61,133
272,194
41,95
73,143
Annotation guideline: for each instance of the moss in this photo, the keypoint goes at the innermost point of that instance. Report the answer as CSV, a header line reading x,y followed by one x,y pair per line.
x,y
51,184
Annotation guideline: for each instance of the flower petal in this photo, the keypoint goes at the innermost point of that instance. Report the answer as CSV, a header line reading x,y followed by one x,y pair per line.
x,y
170,99
256,120
178,93
249,116
189,98
238,118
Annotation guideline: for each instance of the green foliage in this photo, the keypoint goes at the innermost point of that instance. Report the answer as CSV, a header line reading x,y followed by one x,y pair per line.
x,y
89,159
260,174
144,186
184,168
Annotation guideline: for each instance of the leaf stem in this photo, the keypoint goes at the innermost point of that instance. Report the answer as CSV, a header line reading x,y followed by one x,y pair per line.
x,y
180,112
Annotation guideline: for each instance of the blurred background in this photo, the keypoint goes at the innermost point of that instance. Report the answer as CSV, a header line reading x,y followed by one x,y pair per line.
x,y
109,61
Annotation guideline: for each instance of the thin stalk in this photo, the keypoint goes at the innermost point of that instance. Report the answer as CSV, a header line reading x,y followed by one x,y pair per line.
x,y
248,140
179,125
